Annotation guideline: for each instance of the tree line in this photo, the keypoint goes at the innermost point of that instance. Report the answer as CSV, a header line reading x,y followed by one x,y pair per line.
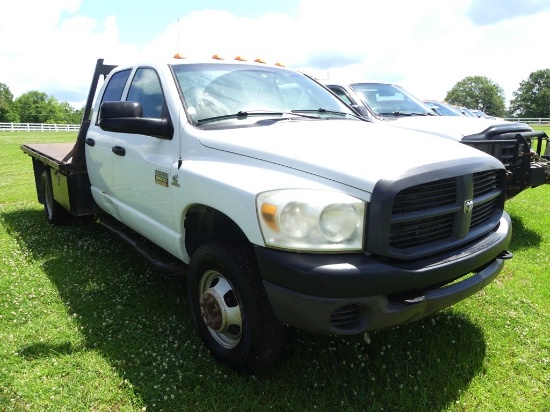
x,y
36,107
532,99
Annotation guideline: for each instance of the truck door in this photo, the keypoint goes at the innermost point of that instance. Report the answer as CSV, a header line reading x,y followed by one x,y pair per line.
x,y
99,156
142,164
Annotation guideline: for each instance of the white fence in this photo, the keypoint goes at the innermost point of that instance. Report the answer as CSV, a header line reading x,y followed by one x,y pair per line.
x,y
45,127
38,127
530,120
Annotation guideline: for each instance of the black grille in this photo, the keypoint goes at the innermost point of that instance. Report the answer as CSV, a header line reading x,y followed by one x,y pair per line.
x,y
432,212
425,196
420,231
485,182
482,212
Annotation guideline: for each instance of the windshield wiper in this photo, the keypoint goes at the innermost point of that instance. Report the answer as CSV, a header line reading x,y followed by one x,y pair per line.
x,y
239,114
247,113
323,110
398,113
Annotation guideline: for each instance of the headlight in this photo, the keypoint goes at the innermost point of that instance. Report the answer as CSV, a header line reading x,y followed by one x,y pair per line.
x,y
311,220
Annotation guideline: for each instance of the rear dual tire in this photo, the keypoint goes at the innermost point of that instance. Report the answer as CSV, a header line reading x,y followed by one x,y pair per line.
x,y
55,213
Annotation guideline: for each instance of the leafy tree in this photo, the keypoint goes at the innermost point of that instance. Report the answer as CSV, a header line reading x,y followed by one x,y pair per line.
x,y
70,114
532,99
478,92
54,111
32,107
38,107
6,105
62,112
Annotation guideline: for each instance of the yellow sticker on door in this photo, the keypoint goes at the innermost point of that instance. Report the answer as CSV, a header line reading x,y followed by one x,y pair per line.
x,y
161,178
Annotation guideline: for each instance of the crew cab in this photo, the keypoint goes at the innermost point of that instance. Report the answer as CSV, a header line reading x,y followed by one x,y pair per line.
x,y
515,144
279,203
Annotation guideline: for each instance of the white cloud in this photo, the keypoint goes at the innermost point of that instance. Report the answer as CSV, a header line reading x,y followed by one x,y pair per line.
x,y
425,47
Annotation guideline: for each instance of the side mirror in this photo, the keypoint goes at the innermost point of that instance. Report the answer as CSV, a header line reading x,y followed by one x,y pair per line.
x,y
127,117
113,110
360,110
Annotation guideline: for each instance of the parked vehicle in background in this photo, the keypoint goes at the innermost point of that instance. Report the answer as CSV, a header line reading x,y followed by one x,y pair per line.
x,y
515,144
446,109
482,115
442,108
466,112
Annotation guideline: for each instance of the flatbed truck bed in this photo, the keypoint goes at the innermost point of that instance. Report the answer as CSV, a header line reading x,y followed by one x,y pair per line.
x,y
60,173
53,165
54,155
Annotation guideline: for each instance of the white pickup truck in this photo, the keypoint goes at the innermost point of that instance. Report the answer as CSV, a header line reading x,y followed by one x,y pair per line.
x,y
279,203
515,144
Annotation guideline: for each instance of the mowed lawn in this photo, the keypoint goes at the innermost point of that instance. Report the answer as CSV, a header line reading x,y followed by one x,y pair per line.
x,y
86,324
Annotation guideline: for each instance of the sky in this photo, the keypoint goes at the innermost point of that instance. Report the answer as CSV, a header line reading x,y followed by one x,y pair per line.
x,y
51,46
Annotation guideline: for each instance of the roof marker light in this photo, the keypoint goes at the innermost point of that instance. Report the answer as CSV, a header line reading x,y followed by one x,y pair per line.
x,y
260,60
240,58
179,56
217,57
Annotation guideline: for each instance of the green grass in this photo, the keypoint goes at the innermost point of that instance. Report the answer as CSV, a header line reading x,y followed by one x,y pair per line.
x,y
86,324
545,128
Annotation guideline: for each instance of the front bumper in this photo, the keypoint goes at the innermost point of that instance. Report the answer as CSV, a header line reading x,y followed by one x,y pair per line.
x,y
354,293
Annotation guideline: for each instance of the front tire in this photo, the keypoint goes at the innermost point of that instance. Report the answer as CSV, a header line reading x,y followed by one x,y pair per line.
x,y
55,213
230,308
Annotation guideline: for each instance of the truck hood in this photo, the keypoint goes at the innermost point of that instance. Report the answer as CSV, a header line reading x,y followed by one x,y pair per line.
x,y
450,127
353,153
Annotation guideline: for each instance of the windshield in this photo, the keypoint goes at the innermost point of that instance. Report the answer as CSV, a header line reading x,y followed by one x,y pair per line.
x,y
466,112
443,109
388,99
214,92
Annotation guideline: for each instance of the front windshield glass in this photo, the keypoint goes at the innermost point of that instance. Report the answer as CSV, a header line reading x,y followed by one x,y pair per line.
x,y
443,109
467,112
220,91
388,99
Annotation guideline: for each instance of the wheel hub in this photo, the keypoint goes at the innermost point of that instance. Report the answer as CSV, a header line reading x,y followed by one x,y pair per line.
x,y
212,311
220,310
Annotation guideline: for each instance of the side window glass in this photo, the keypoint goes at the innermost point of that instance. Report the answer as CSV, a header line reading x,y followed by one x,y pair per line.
x,y
342,95
113,91
145,89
